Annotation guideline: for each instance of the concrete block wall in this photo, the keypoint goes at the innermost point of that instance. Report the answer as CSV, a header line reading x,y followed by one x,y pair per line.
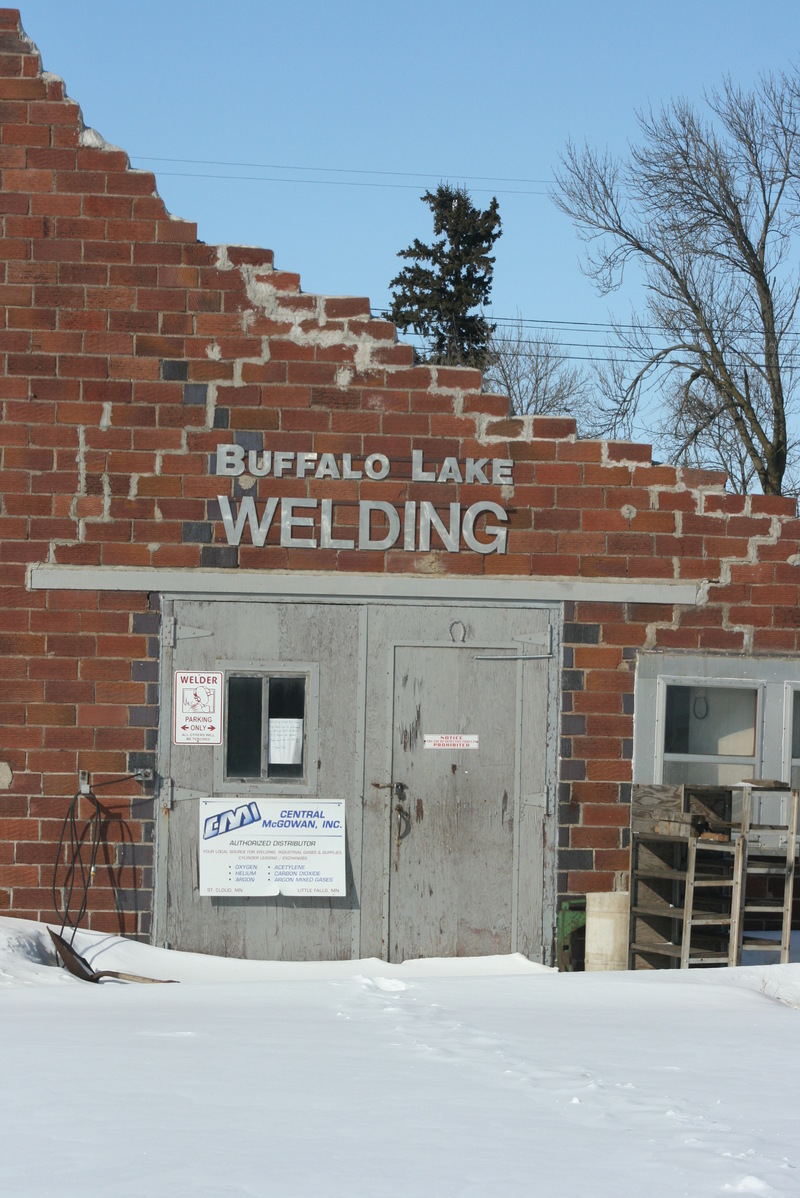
x,y
130,351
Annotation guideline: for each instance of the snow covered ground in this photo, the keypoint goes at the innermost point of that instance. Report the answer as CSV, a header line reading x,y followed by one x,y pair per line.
x,y
360,1079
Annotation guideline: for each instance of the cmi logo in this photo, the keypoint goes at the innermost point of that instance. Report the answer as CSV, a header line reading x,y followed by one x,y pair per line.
x,y
230,821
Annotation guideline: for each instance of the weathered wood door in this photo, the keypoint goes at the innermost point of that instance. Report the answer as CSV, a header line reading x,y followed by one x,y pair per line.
x,y
452,870
469,753
450,850
320,644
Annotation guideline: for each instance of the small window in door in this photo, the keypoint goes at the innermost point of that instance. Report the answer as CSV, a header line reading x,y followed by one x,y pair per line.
x,y
710,734
266,727
795,758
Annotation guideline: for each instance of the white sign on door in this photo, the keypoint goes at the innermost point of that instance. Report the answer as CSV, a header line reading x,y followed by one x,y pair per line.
x,y
285,742
272,846
197,711
450,740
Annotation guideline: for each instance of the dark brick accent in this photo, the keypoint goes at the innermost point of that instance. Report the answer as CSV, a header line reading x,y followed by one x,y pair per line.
x,y
225,557
144,671
173,371
249,440
576,859
144,808
572,680
131,900
147,622
140,761
195,393
222,417
143,717
197,531
582,634
134,854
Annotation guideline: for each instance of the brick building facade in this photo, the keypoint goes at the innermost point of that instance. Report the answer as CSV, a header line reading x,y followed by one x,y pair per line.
x,y
132,353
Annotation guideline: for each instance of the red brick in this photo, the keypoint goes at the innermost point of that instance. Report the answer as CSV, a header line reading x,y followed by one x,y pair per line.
x,y
581,882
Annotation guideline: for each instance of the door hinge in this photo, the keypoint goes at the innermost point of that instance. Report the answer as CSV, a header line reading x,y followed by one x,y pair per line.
x,y
541,800
184,632
543,639
180,794
167,792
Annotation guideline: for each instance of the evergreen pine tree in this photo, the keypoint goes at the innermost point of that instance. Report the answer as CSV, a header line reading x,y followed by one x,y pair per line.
x,y
437,294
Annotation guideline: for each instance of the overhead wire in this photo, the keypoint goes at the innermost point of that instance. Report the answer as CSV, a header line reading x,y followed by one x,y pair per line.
x,y
558,325
330,182
343,170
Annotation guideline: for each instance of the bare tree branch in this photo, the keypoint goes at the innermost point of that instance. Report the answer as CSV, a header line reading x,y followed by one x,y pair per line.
x,y
708,206
534,371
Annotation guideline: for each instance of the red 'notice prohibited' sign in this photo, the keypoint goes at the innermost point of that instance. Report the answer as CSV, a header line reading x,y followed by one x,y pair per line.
x,y
450,740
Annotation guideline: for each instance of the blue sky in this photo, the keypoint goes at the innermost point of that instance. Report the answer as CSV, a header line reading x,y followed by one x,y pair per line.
x,y
448,89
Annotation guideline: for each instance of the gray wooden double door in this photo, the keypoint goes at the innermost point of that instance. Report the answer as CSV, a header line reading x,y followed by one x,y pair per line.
x,y
435,724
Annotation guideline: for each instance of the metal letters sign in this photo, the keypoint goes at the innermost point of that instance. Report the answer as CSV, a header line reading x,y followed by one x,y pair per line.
x,y
272,846
197,711
416,526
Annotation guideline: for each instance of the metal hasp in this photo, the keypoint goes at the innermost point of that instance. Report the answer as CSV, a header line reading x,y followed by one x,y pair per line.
x,y
398,788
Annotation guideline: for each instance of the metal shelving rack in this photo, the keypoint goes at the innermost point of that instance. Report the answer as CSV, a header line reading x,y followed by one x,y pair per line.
x,y
689,888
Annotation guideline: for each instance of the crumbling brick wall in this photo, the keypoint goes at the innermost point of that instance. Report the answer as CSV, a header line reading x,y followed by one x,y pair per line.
x,y
130,351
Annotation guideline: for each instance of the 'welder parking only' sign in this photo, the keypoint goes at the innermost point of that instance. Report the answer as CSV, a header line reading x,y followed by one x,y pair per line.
x,y
197,712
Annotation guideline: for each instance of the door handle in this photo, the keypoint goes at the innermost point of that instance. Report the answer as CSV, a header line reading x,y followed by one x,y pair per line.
x,y
403,821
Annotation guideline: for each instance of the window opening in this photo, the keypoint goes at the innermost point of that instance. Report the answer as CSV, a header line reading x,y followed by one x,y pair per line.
x,y
710,734
266,727
795,759
245,702
287,710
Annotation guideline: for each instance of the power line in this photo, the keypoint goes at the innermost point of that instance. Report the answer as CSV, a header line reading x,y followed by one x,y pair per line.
x,y
332,182
560,325
562,354
595,326
342,170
